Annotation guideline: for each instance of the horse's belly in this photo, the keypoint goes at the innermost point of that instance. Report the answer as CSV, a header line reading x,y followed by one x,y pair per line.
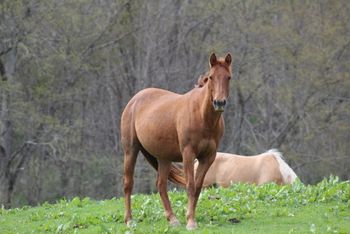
x,y
159,139
162,149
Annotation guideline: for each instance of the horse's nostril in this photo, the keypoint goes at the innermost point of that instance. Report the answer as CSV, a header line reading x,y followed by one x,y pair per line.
x,y
221,102
219,105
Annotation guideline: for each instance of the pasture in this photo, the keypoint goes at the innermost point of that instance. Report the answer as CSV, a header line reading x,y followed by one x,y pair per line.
x,y
270,208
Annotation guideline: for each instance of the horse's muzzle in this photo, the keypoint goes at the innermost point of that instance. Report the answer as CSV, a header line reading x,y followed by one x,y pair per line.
x,y
219,105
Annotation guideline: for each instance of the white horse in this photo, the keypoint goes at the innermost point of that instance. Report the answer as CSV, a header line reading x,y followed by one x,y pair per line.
x,y
259,169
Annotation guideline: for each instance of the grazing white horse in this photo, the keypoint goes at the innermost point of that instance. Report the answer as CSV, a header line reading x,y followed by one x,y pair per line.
x,y
259,169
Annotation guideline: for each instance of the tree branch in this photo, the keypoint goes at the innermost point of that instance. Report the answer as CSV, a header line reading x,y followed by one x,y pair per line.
x,y
24,145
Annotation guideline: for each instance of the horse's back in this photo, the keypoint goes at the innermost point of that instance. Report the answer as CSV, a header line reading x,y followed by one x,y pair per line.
x,y
151,96
258,169
146,101
230,168
154,93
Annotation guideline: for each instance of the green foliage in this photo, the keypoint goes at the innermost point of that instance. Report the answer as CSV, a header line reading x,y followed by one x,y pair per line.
x,y
270,208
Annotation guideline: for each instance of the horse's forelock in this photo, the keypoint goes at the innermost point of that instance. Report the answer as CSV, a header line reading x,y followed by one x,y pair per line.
x,y
222,63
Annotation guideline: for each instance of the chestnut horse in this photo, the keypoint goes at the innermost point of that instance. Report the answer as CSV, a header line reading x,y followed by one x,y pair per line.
x,y
168,127
259,169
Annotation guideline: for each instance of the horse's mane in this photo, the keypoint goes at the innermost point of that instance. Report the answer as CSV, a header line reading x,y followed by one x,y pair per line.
x,y
202,80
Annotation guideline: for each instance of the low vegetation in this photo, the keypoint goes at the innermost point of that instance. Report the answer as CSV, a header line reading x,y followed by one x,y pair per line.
x,y
243,208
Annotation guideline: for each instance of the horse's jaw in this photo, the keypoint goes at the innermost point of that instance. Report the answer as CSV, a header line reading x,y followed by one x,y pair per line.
x,y
219,109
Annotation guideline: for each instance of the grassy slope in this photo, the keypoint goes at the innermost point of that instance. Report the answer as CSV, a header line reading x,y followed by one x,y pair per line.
x,y
322,208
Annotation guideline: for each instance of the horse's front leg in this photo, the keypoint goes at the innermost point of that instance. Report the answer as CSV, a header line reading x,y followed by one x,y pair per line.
x,y
203,166
188,159
162,183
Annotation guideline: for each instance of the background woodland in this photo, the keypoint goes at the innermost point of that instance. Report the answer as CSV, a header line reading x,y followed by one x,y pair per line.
x,y
68,68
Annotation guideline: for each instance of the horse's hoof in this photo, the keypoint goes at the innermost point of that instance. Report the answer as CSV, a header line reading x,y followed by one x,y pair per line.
x,y
174,222
191,226
130,223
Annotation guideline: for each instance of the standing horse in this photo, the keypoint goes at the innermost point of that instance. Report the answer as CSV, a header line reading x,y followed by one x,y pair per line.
x,y
168,127
259,169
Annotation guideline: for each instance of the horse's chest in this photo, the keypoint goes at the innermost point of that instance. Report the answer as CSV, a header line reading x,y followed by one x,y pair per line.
x,y
202,136
206,146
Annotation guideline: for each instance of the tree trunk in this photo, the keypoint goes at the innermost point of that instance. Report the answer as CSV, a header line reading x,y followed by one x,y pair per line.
x,y
5,198
8,65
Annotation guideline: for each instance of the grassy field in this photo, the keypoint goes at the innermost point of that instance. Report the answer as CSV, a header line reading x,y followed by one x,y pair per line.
x,y
321,208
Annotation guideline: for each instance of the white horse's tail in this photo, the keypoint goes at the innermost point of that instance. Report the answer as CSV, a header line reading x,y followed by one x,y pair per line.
x,y
288,174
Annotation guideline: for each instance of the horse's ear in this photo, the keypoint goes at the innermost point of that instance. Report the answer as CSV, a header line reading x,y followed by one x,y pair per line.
x,y
228,59
213,60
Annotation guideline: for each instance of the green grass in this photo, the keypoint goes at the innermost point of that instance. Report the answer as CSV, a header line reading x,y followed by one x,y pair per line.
x,y
321,208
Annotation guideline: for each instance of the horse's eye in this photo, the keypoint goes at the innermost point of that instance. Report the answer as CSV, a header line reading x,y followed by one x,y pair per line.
x,y
229,77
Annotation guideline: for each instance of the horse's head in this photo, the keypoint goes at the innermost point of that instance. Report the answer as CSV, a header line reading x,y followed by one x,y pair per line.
x,y
218,80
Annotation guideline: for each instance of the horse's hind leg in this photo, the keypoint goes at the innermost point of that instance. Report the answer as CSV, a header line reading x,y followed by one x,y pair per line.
x,y
131,147
130,156
162,183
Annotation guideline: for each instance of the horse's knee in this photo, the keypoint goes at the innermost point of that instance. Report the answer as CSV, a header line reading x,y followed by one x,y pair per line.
x,y
191,190
128,185
161,185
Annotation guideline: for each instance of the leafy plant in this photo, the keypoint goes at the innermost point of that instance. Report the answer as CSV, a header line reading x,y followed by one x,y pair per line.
x,y
244,208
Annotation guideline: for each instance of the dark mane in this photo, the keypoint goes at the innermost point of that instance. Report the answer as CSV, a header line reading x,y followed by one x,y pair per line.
x,y
202,80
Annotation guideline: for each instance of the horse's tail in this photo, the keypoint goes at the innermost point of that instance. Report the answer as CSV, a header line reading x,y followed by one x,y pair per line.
x,y
287,172
176,174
